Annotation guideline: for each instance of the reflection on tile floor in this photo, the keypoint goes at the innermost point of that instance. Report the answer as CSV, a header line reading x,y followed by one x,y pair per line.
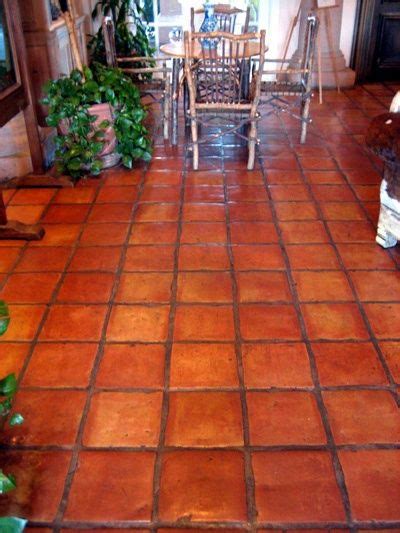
x,y
216,349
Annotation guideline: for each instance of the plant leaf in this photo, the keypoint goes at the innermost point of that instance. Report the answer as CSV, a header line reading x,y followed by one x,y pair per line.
x,y
7,483
16,419
8,386
4,317
11,524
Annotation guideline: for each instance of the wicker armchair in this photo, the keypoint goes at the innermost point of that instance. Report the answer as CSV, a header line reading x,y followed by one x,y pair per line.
x,y
226,16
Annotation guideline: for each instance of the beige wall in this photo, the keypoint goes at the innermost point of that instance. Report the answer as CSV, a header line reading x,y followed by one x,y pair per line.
x,y
15,159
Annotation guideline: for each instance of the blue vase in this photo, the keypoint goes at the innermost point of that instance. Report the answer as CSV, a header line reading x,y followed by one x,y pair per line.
x,y
209,24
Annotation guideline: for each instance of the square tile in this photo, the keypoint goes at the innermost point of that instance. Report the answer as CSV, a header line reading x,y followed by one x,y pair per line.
x,y
132,366
144,287
12,357
130,496
203,257
245,211
282,177
342,211
247,193
74,323
149,258
160,194
263,287
58,235
96,258
203,365
384,319
212,193
138,323
203,232
322,286
120,419
269,322
24,323
306,479
204,287
157,213
363,416
205,485
296,211
204,419
154,233
306,232
253,233
312,257
49,259
64,214
352,231
287,192
276,365
75,195
377,286
333,193
8,258
86,288
258,257
117,195
195,212
112,234
327,177
391,353
334,321
284,418
32,197
29,288
204,323
111,213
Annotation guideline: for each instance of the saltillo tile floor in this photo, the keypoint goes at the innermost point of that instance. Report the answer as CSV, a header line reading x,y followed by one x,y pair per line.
x,y
216,349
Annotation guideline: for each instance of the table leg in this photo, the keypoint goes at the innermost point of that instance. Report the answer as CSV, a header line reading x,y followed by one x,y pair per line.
x,y
245,79
176,63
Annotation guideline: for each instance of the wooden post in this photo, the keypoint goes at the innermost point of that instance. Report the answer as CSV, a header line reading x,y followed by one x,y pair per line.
x,y
11,229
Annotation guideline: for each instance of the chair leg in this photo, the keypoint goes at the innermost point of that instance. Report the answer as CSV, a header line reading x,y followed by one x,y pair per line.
x,y
252,145
305,112
195,145
166,111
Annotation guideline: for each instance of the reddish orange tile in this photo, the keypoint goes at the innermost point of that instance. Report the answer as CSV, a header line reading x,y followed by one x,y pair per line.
x,y
74,323
12,357
121,176
43,260
333,193
65,214
24,323
147,258
303,232
50,417
242,211
282,193
154,177
111,213
322,286
132,366
204,287
327,177
296,211
276,365
130,496
43,473
312,257
352,231
207,212
299,411
202,419
116,195
203,365
160,194
258,257
206,177
205,485
247,193
280,163
263,287
58,235
154,233
8,257
281,177
269,322
112,234
342,211
363,416
348,364
203,257
253,232
334,321
318,163
123,419
96,258
204,323
377,286
391,352
384,319
157,213
144,287
81,195
212,193
306,479
86,288
29,288
373,481
203,232
138,323
27,214
246,177
60,365
32,196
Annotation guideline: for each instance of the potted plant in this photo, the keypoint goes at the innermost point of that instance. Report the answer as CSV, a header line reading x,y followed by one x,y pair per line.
x,y
99,118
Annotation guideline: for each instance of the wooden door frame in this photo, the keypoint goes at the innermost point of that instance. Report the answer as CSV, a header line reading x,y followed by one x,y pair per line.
x,y
362,52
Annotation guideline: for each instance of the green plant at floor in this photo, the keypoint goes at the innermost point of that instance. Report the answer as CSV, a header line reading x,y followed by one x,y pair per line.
x,y
8,389
127,43
69,99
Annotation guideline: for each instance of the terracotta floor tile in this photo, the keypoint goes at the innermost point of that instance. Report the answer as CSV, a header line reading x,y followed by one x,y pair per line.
x,y
203,419
204,287
208,212
58,365
132,366
86,288
12,357
28,214
130,496
155,177
203,365
43,260
352,231
280,163
391,352
122,176
75,196
377,286
303,232
50,417
24,323
157,213
247,193
318,163
32,196
199,177
138,323
96,259
263,287
58,235
257,257
204,323
8,257
269,322
203,257
244,211
203,232
334,321
249,177
29,288
253,233
322,286
112,234
282,177
312,257
123,419
348,364
305,479
43,473
160,194
213,193
154,233
144,287
286,193
148,258
64,214
205,485
296,211
74,323
384,320
373,481
111,213
333,193
299,410
117,195
327,177
342,211
365,256
276,365
361,417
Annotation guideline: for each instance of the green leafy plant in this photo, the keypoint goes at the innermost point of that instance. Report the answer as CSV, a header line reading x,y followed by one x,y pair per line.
x,y
127,43
69,99
12,525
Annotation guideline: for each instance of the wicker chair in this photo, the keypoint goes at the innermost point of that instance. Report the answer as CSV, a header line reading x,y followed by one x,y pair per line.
x,y
216,78
293,81
150,74
226,16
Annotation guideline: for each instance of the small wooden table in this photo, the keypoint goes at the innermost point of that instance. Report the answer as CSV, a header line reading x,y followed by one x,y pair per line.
x,y
176,50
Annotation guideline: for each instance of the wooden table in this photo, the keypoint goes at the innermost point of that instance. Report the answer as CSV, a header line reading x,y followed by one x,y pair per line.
x,y
176,50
